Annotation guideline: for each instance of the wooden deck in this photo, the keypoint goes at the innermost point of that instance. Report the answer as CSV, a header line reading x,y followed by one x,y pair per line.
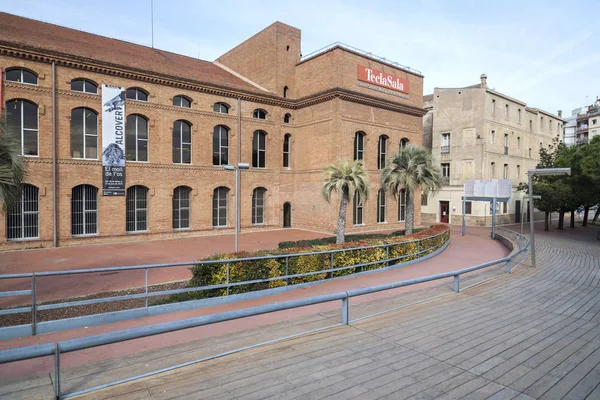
x,y
533,334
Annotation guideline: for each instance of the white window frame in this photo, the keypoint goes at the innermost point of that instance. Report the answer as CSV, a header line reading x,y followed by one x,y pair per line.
x,y
86,191
18,211
181,142
217,193
402,205
381,207
85,134
179,190
137,138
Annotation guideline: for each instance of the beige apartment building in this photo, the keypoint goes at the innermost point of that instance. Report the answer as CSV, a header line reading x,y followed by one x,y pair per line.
x,y
478,133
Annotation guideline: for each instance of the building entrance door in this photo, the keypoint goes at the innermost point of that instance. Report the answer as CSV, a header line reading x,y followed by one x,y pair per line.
x,y
287,215
444,211
517,211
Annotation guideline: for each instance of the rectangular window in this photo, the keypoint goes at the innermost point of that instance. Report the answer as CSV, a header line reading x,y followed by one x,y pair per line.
x,y
541,123
505,175
594,121
493,137
424,199
550,125
520,115
445,143
492,170
493,107
530,152
505,143
402,206
518,171
506,111
530,125
505,207
468,207
518,142
446,170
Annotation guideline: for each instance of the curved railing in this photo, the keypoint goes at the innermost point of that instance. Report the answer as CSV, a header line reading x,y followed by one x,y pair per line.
x,y
423,245
513,260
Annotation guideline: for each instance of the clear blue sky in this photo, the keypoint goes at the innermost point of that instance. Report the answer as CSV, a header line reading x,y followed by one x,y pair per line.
x,y
546,53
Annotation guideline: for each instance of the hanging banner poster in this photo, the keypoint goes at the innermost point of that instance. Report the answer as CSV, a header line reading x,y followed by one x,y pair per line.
x,y
113,141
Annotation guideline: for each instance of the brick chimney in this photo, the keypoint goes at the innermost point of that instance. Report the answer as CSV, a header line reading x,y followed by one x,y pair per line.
x,y
559,113
483,78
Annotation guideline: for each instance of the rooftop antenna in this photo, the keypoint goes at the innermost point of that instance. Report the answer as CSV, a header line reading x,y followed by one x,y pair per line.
x,y
152,20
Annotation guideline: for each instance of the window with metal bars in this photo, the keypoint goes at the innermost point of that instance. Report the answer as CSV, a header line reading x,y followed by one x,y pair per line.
x,y
358,208
137,209
402,206
359,145
220,206
22,119
259,149
181,207
381,206
258,206
84,210
220,145
84,133
182,142
22,220
136,138
382,152
286,150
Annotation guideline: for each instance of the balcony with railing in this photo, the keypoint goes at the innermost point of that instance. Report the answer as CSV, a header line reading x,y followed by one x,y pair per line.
x,y
582,127
582,139
445,149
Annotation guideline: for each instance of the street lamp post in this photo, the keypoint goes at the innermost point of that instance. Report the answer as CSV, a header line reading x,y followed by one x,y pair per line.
x,y
237,169
530,174
536,197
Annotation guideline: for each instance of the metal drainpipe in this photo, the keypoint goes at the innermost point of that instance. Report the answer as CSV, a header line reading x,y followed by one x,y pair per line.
x,y
238,173
54,197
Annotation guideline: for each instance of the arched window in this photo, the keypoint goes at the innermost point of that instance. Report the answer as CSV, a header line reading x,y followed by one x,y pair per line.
x,y
181,207
137,209
84,133
285,91
287,118
359,145
221,145
137,94
259,149
22,220
358,206
286,150
381,206
220,206
84,210
403,142
402,206
182,142
259,114
84,85
22,118
21,75
136,138
258,206
382,152
221,108
182,101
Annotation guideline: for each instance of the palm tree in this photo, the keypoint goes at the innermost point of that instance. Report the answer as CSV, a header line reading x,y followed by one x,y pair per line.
x,y
346,180
411,168
12,170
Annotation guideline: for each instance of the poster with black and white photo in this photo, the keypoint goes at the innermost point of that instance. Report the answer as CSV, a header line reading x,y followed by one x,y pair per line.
x,y
113,141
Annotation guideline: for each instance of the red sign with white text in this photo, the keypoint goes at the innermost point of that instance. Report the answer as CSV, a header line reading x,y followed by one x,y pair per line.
x,y
383,79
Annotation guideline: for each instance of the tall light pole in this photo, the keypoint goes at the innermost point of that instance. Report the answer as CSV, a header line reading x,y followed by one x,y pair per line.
x,y
237,169
530,174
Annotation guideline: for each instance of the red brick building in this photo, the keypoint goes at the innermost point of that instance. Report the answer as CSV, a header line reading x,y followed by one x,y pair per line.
x,y
184,120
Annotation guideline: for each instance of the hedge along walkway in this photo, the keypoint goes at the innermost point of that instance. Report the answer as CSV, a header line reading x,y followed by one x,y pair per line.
x,y
466,251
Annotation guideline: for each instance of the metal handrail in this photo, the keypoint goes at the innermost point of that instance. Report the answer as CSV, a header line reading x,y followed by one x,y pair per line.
x,y
34,308
67,346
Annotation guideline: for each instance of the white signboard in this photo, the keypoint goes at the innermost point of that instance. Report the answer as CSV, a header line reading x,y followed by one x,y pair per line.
x,y
498,188
113,141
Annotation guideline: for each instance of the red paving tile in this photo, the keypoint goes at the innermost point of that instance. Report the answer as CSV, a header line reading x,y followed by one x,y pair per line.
x,y
474,248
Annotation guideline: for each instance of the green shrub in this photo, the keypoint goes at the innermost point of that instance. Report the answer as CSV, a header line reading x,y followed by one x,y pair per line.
x,y
349,239
352,253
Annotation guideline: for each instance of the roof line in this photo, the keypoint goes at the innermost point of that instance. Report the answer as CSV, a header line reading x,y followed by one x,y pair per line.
x,y
242,77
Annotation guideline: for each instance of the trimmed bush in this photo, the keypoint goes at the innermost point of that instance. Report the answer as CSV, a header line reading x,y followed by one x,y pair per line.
x,y
349,239
405,248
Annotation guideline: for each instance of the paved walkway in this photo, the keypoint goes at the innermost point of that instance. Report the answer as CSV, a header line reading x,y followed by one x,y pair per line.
x,y
532,334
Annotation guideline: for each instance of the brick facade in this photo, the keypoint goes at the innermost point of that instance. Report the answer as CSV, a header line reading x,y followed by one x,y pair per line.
x,y
326,106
